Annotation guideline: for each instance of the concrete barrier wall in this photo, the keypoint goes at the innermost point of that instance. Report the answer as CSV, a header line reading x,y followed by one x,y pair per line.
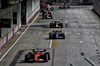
x,y
9,35
33,9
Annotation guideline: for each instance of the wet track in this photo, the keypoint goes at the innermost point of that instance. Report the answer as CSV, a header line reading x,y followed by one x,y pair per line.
x,y
82,39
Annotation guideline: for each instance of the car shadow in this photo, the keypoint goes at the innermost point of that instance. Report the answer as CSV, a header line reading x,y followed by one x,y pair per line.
x,y
43,26
23,61
54,39
14,61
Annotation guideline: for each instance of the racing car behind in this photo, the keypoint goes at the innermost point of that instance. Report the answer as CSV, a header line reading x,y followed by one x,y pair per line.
x,y
56,35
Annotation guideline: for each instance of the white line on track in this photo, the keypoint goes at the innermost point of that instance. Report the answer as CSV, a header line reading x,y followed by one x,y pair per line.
x,y
81,42
50,43
93,39
78,33
94,42
65,32
18,39
97,26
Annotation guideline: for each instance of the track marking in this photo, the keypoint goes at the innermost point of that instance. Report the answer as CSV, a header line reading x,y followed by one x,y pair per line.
x,y
50,46
65,32
18,38
54,43
81,42
78,33
68,32
75,20
45,32
93,39
97,26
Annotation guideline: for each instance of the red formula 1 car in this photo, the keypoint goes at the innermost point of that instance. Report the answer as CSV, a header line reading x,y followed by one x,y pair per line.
x,y
37,55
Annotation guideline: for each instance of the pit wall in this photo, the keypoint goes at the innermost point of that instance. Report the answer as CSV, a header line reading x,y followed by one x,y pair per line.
x,y
33,6
8,33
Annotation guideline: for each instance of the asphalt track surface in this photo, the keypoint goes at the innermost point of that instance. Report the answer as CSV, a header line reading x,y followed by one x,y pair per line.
x,y
82,39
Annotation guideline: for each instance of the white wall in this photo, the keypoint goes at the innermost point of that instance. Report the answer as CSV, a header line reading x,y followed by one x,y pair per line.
x,y
8,13
31,6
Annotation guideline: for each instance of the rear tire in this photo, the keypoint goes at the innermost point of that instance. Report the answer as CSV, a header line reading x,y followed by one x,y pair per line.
x,y
61,25
63,37
51,25
46,58
27,57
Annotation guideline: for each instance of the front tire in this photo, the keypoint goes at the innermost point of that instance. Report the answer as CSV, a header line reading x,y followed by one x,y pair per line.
x,y
46,58
48,55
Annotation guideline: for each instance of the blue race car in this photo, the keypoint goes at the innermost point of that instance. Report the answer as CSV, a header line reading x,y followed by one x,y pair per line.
x,y
56,35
